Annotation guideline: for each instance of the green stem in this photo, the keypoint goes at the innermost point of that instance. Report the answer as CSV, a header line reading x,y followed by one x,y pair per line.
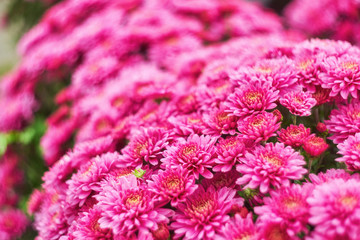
x,y
294,119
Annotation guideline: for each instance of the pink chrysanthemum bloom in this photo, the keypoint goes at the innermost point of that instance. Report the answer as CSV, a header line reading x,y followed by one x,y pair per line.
x,y
146,145
314,145
288,206
129,209
321,127
308,68
172,184
196,154
13,223
228,152
204,213
350,149
240,228
335,209
88,226
86,180
218,122
35,201
251,99
259,127
271,166
271,230
185,125
298,103
342,75
321,95
332,174
344,122
294,135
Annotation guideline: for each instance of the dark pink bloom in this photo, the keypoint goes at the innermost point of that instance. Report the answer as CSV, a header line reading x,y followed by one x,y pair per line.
x,y
146,145
335,208
222,179
315,146
218,122
287,206
330,175
350,151
251,99
129,209
321,127
204,213
342,75
271,166
13,223
172,184
259,127
240,228
228,150
344,121
294,135
35,201
298,103
196,154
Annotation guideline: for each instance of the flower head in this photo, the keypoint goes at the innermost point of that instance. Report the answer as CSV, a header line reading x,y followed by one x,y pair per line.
x,y
196,154
172,184
350,149
273,165
298,103
315,146
228,152
240,228
259,127
219,122
294,135
251,99
203,213
335,209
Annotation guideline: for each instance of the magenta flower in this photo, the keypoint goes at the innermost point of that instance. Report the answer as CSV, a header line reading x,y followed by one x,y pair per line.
x,y
272,230
344,121
228,152
271,166
88,226
350,149
196,154
335,209
330,175
288,206
13,223
218,122
222,179
185,125
204,213
315,146
298,103
251,99
172,184
146,145
259,127
341,75
128,208
240,228
294,135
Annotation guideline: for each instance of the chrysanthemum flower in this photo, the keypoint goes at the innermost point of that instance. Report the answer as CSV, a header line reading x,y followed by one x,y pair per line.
x,y
172,184
13,223
240,228
228,152
344,122
259,127
271,230
35,201
271,166
185,125
298,103
350,149
196,154
204,213
88,226
218,122
321,127
146,145
321,95
222,179
128,208
335,209
330,175
251,99
342,75
288,206
314,145
294,135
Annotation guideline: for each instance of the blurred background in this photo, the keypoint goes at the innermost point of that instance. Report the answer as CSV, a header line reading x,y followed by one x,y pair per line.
x,y
18,16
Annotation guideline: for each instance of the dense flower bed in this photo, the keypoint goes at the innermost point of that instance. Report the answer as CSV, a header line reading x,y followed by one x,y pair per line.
x,y
169,129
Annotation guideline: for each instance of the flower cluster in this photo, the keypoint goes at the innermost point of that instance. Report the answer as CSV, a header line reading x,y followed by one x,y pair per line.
x,y
176,137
